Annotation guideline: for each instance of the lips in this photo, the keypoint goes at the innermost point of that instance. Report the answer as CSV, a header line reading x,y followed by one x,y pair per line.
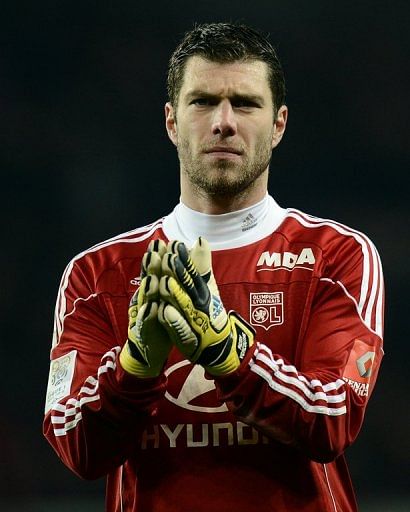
x,y
224,149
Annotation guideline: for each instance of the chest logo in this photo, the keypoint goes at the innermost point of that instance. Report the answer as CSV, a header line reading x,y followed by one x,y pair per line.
x,y
188,388
266,309
286,260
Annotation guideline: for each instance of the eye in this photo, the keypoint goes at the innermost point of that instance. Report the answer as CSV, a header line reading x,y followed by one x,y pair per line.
x,y
244,104
201,102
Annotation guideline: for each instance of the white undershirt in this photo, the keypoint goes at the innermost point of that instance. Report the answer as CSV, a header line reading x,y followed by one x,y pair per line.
x,y
227,230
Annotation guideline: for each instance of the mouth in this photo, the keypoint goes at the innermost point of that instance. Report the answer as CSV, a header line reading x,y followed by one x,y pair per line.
x,y
223,152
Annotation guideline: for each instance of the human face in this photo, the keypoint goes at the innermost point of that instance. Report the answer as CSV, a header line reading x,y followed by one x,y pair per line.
x,y
224,127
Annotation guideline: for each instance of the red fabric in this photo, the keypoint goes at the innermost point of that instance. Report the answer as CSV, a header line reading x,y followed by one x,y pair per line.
x,y
272,435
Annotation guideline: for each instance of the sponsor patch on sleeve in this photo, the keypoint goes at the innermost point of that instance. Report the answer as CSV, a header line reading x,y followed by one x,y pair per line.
x,y
60,378
359,367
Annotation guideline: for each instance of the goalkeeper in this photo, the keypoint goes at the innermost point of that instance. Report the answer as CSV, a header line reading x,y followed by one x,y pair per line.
x,y
220,358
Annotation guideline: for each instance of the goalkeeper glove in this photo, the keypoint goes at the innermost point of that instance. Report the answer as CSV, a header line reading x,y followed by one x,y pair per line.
x,y
148,345
192,311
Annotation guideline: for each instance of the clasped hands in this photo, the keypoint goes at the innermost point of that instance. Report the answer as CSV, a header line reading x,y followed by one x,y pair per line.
x,y
178,303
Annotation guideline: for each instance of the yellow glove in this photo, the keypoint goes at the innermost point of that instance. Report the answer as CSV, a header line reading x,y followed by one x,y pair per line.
x,y
192,311
146,350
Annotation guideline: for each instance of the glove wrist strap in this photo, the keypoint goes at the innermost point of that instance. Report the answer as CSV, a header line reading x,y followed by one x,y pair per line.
x,y
241,339
135,352
215,354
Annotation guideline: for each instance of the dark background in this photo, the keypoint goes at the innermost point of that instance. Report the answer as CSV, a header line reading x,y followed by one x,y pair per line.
x,y
84,156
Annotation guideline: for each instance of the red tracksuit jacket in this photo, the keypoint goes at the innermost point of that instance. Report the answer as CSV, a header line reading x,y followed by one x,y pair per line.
x,y
269,437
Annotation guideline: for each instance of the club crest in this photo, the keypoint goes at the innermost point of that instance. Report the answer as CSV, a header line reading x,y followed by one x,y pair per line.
x,y
266,309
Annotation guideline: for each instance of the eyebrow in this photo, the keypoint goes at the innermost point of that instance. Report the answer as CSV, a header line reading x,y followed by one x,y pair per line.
x,y
255,98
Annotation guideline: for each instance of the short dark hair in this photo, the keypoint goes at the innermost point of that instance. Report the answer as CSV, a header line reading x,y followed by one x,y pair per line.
x,y
223,43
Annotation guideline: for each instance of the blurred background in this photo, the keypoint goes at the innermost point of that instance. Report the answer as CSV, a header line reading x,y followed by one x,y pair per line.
x,y
84,156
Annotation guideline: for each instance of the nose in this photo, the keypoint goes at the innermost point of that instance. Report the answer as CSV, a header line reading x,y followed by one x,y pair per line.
x,y
224,121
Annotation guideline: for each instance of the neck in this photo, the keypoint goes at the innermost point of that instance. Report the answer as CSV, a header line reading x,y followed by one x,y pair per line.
x,y
216,204
227,230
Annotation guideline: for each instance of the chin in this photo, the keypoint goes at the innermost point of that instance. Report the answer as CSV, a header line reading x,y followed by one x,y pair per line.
x,y
225,187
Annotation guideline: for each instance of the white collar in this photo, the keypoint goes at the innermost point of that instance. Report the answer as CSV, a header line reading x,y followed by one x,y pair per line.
x,y
227,230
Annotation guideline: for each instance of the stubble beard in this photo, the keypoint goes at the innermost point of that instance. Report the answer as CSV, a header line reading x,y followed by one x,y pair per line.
x,y
223,178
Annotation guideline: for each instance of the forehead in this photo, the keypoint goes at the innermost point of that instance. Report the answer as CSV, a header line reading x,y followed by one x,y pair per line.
x,y
243,77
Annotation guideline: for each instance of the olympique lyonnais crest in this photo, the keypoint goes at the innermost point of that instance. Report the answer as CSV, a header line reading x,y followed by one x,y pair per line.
x,y
266,309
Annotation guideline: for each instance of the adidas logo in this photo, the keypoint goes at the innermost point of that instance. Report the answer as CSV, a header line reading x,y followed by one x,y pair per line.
x,y
249,222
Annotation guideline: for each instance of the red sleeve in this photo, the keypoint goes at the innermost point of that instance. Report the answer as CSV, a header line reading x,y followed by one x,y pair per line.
x,y
317,402
94,410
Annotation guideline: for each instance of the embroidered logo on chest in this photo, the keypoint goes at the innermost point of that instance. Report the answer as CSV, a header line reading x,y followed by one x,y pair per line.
x,y
266,309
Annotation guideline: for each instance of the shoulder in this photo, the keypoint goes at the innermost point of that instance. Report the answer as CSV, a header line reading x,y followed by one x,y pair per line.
x,y
350,261
347,255
334,238
109,253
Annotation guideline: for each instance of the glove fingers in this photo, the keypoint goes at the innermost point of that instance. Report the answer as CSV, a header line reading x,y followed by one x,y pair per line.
x,y
148,345
150,327
173,293
147,312
178,329
203,290
179,265
171,246
140,317
202,257
158,246
151,261
190,280
151,287
148,290
167,264
175,250
170,291
189,276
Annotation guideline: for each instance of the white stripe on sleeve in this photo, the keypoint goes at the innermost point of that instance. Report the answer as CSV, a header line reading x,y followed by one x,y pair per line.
x,y
67,414
312,395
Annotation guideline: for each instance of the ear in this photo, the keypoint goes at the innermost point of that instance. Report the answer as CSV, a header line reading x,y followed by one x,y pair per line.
x,y
279,125
171,123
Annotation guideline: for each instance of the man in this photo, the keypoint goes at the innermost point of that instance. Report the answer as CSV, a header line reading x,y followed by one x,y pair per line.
x,y
231,381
